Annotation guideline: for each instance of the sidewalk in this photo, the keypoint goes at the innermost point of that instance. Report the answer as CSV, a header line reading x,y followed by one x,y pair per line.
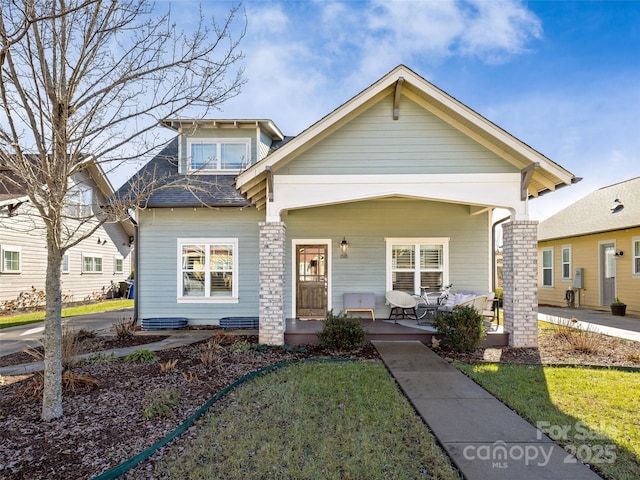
x,y
484,438
595,320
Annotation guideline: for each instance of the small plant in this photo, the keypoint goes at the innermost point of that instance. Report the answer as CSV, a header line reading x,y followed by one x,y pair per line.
x,y
293,348
211,353
71,347
584,340
71,383
82,335
462,328
632,357
100,358
240,347
618,303
125,329
141,356
341,332
192,377
168,365
160,403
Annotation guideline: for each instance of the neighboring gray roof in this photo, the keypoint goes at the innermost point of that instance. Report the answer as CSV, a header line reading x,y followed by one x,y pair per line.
x,y
178,190
597,212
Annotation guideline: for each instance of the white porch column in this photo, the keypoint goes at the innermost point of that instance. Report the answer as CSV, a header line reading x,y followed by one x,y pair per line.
x,y
520,281
271,278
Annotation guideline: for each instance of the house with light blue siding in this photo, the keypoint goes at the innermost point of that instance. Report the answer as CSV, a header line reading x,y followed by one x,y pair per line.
x,y
393,190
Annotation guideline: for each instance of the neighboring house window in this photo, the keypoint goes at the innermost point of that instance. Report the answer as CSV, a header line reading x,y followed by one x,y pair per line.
x,y
221,154
547,267
566,263
416,263
11,261
118,265
65,263
91,264
636,255
79,200
208,269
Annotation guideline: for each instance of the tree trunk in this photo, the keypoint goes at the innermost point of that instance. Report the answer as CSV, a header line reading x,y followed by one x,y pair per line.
x,y
52,393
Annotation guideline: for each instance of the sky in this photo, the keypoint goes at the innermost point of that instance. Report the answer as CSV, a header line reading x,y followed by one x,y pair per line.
x,y
563,77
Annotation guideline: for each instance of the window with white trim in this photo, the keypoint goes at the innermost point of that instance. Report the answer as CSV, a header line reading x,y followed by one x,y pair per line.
x,y
208,269
566,263
11,259
636,255
547,267
65,263
217,155
118,264
416,263
91,264
79,201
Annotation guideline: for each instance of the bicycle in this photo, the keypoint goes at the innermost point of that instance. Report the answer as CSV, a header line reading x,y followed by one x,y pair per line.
x,y
426,300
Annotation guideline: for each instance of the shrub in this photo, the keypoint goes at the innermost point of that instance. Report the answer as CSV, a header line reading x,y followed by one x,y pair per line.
x,y
160,403
212,353
125,328
462,328
100,358
143,356
83,334
341,332
578,339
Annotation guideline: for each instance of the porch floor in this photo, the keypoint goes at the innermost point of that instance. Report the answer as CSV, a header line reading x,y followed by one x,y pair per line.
x,y
303,332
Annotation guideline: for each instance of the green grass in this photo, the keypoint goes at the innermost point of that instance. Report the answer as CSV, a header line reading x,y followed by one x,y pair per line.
x,y
32,317
592,412
311,421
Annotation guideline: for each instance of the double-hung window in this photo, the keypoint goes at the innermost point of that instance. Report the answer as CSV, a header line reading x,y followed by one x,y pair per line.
x,y
415,263
547,267
217,155
11,261
79,201
118,264
636,255
65,263
208,270
91,264
566,263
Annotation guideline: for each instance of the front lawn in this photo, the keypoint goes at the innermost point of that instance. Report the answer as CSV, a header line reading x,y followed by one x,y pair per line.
x,y
310,421
593,412
32,317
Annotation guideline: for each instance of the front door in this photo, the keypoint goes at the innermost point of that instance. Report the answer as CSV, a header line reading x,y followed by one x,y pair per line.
x,y
311,281
608,273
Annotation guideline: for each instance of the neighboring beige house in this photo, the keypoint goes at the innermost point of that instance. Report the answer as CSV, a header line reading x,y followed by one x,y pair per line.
x,y
88,269
593,248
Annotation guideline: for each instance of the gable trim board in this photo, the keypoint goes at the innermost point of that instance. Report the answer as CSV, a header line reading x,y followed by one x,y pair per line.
x,y
546,177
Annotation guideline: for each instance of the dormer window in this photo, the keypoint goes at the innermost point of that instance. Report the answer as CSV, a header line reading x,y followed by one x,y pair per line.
x,y
217,155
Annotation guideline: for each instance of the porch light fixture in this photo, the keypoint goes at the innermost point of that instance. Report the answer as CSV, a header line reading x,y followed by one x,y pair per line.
x,y
618,254
344,248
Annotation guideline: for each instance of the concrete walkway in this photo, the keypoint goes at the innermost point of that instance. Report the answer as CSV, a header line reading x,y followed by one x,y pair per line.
x,y
176,338
595,320
484,438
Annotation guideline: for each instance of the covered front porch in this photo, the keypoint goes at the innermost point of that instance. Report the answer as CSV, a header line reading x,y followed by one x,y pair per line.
x,y
303,332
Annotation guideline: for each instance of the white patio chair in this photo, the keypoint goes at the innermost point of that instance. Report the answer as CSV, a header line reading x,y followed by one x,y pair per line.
x,y
402,304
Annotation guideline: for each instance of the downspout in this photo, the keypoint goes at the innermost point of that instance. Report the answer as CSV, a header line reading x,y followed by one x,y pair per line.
x,y
136,263
493,251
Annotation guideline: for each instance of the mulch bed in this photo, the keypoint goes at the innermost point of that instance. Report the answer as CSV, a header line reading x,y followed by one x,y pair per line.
x,y
105,426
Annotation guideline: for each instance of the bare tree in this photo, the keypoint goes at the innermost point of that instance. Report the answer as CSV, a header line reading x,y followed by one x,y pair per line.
x,y
84,82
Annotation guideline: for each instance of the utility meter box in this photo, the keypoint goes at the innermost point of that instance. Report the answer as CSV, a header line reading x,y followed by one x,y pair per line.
x,y
578,278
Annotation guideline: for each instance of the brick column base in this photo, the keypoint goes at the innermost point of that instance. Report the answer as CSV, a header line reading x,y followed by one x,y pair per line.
x,y
271,277
520,281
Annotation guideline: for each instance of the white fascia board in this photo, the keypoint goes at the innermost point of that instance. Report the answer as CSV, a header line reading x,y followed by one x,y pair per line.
x,y
301,191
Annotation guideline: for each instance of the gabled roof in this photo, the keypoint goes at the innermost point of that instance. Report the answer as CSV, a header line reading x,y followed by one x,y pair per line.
x,y
173,189
611,208
547,175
